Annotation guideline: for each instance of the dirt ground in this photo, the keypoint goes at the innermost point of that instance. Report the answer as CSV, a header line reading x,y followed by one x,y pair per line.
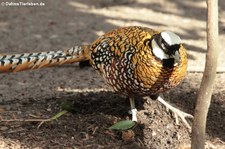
x,y
39,93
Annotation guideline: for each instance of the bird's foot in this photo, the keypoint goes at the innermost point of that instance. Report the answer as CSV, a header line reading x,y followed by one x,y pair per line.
x,y
133,112
177,113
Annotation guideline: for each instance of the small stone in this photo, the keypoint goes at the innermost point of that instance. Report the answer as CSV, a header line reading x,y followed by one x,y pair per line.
x,y
4,128
153,133
128,135
49,109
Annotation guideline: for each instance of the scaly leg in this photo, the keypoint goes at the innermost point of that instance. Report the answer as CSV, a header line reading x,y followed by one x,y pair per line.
x,y
177,112
133,110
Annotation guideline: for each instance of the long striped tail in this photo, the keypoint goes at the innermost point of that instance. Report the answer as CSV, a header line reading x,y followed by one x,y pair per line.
x,y
29,61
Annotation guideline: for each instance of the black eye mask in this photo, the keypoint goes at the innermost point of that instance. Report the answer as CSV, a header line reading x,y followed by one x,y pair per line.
x,y
162,43
170,50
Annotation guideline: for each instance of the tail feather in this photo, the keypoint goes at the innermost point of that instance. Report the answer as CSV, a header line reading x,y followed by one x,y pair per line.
x,y
29,61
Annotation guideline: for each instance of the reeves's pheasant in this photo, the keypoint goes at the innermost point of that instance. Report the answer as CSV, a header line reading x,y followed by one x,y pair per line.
x,y
134,61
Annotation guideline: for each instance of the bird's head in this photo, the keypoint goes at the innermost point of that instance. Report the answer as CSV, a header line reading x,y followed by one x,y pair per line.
x,y
165,46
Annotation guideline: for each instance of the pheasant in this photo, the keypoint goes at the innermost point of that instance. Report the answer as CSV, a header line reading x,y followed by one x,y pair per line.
x,y
134,61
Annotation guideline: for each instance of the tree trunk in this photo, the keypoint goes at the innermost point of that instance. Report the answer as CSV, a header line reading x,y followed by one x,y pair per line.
x,y
206,87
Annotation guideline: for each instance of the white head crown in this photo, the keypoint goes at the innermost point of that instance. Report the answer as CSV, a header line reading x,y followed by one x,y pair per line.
x,y
170,38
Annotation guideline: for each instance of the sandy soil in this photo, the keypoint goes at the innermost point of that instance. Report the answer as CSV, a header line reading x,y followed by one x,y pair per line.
x,y
39,93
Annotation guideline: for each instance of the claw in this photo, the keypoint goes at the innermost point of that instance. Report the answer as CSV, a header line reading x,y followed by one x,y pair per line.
x,y
177,113
182,115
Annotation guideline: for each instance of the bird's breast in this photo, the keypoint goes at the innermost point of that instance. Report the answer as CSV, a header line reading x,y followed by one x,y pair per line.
x,y
131,76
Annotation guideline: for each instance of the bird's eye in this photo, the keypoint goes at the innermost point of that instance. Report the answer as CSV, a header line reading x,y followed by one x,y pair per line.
x,y
165,45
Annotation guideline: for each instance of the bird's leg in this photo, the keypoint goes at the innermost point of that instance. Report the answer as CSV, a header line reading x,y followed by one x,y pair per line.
x,y
133,109
176,112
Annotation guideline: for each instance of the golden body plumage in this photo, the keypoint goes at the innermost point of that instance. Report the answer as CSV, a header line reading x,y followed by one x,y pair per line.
x,y
126,61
